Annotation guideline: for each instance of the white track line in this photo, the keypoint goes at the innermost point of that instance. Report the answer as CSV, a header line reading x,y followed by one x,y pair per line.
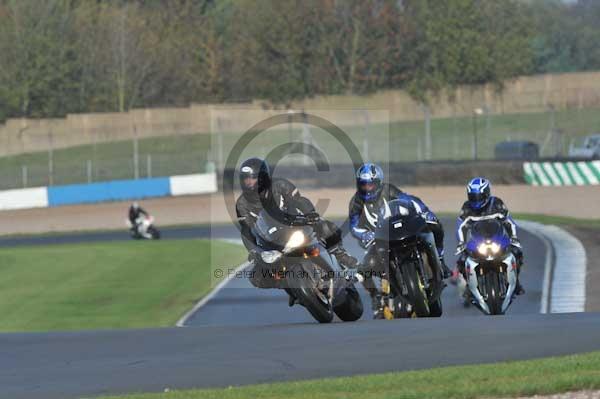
x,y
564,284
181,322
536,229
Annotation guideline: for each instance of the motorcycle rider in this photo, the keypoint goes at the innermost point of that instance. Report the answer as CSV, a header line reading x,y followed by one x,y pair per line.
x,y
279,196
371,195
480,202
135,215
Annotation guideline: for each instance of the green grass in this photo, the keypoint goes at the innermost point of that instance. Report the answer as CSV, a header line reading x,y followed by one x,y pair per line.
x,y
524,378
129,284
400,141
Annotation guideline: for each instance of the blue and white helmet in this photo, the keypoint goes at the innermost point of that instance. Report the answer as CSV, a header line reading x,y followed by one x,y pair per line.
x,y
369,181
478,192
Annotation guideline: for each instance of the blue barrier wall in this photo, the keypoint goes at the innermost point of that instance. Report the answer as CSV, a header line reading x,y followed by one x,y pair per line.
x,y
118,190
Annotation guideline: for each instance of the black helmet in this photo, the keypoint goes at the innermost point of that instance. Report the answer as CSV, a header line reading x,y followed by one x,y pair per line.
x,y
255,168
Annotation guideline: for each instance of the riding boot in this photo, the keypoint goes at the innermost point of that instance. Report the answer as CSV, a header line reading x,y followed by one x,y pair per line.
x,y
376,298
519,290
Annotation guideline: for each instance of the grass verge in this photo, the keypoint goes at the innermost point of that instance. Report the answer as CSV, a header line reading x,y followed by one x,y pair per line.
x,y
508,379
130,284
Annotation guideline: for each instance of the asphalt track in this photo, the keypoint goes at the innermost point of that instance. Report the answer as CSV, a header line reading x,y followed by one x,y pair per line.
x,y
246,336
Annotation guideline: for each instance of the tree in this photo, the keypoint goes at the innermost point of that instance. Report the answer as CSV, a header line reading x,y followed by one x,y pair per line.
x,y
38,69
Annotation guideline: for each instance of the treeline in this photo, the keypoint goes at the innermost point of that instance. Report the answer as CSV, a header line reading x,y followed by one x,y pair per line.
x,y
66,56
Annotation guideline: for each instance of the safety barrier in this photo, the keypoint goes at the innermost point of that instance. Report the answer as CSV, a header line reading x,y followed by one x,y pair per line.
x,y
562,173
118,190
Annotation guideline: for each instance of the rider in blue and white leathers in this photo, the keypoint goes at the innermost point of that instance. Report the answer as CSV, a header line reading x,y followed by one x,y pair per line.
x,y
371,195
480,203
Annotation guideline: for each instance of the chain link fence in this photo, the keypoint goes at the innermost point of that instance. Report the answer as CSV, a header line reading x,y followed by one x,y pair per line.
x,y
472,134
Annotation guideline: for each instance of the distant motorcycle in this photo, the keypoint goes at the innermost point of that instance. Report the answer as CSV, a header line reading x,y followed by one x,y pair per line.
x,y
413,282
143,228
490,267
304,268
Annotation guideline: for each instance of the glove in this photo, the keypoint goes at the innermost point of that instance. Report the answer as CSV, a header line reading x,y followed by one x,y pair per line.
x,y
367,238
460,248
514,241
312,218
253,256
429,217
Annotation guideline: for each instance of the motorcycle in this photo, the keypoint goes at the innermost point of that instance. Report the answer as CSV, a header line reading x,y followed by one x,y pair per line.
x,y
490,266
304,269
143,228
412,283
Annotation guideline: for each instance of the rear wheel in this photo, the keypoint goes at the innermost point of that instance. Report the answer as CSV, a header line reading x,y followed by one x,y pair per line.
x,y
416,290
304,288
154,233
494,298
352,308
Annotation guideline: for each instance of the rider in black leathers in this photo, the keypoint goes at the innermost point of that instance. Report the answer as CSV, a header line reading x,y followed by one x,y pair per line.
x,y
370,197
134,214
260,191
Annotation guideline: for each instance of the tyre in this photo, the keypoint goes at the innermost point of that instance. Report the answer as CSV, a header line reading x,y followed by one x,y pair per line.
x,y
352,308
303,288
416,291
435,308
492,288
154,233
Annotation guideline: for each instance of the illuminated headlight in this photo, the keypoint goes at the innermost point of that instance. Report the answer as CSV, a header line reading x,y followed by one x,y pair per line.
x,y
270,256
296,240
487,248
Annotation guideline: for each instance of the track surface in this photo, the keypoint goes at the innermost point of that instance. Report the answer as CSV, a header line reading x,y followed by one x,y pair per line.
x,y
239,303
276,343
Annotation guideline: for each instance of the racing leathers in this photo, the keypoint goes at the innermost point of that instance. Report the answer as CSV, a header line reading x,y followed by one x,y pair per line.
x,y
494,206
135,216
281,195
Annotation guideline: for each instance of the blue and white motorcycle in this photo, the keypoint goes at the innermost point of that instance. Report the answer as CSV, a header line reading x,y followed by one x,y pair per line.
x,y
490,266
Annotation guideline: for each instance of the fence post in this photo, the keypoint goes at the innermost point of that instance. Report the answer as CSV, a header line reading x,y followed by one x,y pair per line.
x,y
428,143
366,136
50,160
89,170
24,175
476,112
149,165
136,160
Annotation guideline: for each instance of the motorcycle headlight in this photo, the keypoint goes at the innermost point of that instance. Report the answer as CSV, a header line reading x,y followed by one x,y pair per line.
x,y
488,247
270,256
296,240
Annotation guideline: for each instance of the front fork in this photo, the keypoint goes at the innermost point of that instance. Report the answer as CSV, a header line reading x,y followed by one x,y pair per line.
x,y
508,268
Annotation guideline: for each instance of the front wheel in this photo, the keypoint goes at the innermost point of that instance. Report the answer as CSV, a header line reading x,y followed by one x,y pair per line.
x,y
435,308
494,298
304,288
416,290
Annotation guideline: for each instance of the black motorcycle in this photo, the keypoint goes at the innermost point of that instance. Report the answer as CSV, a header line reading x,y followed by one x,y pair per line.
x,y
412,283
301,265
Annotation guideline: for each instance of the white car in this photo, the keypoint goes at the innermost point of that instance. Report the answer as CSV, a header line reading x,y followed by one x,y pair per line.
x,y
590,148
